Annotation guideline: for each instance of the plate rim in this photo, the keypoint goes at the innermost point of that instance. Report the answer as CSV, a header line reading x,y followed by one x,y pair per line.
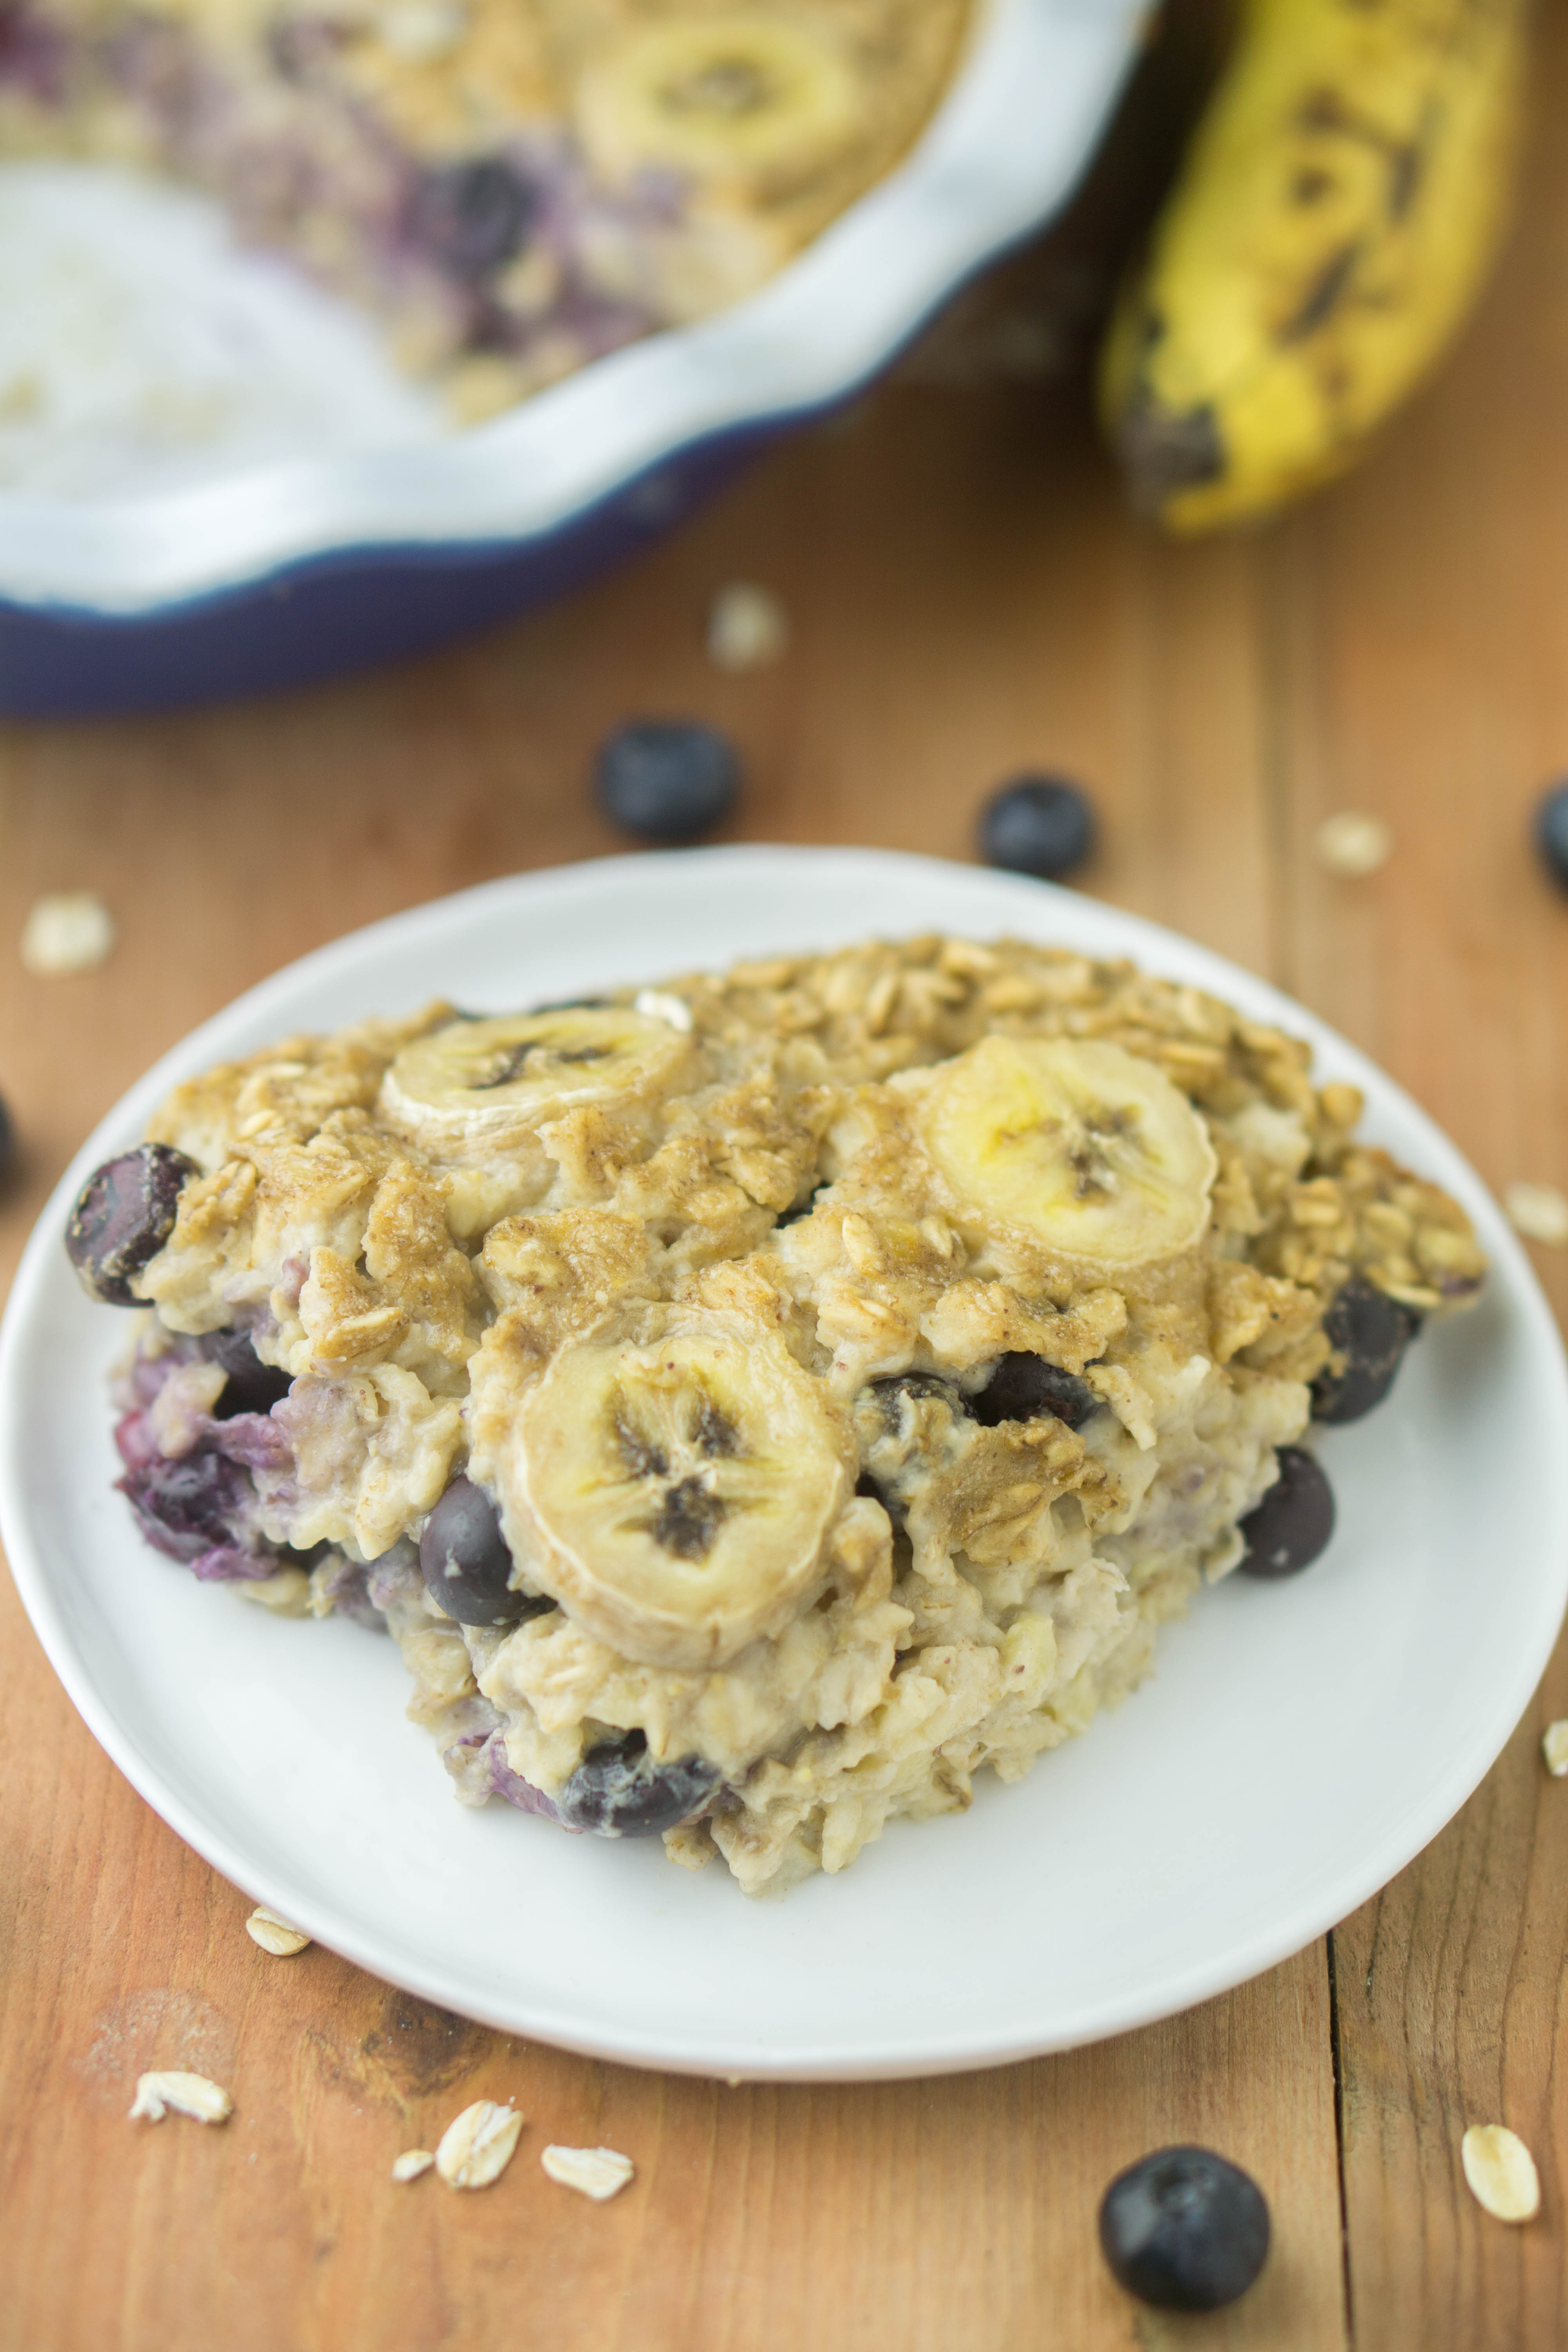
x,y
653,2047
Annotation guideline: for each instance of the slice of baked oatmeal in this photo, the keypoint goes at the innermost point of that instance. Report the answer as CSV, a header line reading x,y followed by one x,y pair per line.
x,y
759,1403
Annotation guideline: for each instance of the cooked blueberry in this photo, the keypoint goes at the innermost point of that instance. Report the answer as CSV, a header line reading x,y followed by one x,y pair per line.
x,y
1371,1331
187,1506
465,1561
1552,830
667,778
1022,1385
124,1215
471,217
1293,1522
618,1791
249,1385
1185,2229
1038,824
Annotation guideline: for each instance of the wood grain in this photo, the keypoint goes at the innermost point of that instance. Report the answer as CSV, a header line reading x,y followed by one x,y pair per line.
x,y
966,598
1419,621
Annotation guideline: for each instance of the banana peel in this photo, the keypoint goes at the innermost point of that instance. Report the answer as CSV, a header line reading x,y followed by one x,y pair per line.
x,y
1337,215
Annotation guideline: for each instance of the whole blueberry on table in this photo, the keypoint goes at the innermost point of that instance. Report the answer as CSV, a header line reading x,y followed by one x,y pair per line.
x,y
1038,824
1295,1520
1185,2229
667,778
467,1564
1552,829
1370,1331
124,1215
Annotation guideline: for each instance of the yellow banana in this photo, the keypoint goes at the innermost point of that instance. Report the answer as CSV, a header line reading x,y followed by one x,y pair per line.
x,y
1343,199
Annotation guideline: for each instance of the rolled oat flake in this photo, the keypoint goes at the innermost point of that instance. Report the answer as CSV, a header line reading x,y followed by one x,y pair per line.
x,y
1353,844
70,931
476,2146
1501,2172
1554,1748
186,2094
598,2172
412,2163
275,1934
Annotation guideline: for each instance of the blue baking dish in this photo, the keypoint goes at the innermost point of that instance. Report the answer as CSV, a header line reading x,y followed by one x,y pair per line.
x,y
276,574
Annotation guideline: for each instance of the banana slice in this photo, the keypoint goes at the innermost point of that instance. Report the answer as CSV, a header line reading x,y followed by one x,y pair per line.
x,y
751,104
484,1083
674,1495
1082,1145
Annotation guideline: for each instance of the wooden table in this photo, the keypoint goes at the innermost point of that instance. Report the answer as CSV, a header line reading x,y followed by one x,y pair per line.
x,y
966,598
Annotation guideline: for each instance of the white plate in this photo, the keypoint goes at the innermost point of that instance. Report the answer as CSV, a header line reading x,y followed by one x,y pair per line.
x,y
1297,1745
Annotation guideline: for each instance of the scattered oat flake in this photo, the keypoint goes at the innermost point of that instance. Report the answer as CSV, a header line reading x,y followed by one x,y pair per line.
x,y
68,931
412,2163
1539,1212
275,1935
598,2172
188,2094
1353,844
1554,1748
476,2147
1501,2172
747,627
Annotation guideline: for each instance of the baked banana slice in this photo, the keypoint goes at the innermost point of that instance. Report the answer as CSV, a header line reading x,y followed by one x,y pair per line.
x,y
674,1495
1076,1143
749,104
481,1084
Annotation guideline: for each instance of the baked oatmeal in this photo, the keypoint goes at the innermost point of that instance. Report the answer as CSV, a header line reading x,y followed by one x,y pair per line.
x,y
759,1403
516,186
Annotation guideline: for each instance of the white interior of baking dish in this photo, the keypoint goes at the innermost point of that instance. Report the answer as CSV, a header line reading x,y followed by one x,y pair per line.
x,y
320,446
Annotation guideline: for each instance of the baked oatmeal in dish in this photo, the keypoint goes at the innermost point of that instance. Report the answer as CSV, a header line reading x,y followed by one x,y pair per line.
x,y
758,1402
516,186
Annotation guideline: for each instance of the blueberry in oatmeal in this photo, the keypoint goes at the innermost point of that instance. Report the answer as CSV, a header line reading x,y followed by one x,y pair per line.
x,y
1022,1385
1038,824
1369,1332
618,1791
1185,2229
465,1564
124,1215
760,1403
667,778
1291,1526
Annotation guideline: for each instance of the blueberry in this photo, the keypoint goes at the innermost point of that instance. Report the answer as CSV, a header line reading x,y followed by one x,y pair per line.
x,y
249,1385
667,778
1293,1522
1371,1331
1552,829
1185,2229
467,1564
1024,1385
186,1506
471,217
618,1791
1038,824
124,1215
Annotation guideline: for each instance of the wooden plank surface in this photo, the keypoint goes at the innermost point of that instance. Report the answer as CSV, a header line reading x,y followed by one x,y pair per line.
x,y
966,598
